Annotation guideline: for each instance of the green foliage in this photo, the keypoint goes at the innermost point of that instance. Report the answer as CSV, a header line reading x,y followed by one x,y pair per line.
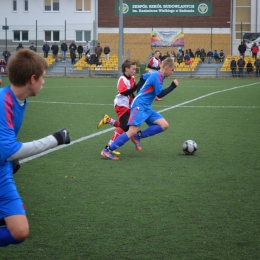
x,y
154,204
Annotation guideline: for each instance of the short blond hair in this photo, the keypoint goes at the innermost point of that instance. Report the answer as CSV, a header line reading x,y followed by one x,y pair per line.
x,y
168,62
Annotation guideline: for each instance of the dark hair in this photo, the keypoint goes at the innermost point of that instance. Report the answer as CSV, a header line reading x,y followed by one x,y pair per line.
x,y
127,64
23,64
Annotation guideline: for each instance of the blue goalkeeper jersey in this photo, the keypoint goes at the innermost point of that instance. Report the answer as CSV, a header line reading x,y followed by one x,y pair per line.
x,y
152,87
11,117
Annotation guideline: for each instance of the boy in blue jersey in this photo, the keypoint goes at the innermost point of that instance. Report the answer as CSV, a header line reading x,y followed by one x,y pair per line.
x,y
141,109
26,70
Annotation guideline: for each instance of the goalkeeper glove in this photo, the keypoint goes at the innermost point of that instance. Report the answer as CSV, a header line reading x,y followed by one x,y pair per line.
x,y
62,136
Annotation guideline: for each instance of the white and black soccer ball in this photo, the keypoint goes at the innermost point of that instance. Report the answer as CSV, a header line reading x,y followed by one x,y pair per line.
x,y
189,147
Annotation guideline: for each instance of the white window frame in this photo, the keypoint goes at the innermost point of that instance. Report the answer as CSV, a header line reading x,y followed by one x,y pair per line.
x,y
83,35
51,7
52,38
21,34
83,6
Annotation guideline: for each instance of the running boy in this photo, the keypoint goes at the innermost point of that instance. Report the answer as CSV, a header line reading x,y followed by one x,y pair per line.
x,y
141,109
26,71
126,86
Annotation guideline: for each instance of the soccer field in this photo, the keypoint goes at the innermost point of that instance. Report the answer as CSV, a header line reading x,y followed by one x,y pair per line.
x,y
155,204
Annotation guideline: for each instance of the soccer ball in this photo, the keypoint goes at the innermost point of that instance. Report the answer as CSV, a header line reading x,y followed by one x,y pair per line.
x,y
189,147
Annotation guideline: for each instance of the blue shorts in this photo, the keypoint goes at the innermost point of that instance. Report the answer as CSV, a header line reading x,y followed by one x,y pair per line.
x,y
10,201
138,115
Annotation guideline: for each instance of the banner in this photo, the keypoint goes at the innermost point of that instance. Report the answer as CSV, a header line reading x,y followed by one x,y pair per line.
x,y
167,39
251,38
151,8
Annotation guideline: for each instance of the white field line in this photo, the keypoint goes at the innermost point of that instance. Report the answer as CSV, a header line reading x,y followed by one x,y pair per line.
x,y
112,128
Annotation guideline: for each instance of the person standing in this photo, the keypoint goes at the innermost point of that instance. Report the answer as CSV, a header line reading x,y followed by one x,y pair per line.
x,y
32,47
241,64
233,67
242,49
46,49
72,55
2,66
141,110
249,67
87,48
80,51
6,55
257,67
55,50
106,52
64,48
254,50
98,50
19,47
14,227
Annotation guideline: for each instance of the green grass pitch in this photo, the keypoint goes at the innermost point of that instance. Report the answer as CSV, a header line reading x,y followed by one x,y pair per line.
x,y
157,204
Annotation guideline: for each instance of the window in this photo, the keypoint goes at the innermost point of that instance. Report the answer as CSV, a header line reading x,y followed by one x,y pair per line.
x,y
243,18
83,5
51,5
21,36
14,5
52,36
26,5
82,36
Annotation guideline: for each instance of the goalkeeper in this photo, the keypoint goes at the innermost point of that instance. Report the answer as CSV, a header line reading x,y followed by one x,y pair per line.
x,y
26,73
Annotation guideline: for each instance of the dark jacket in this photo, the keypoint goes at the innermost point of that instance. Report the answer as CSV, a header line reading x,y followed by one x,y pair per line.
x,y
64,46
233,64
45,47
80,49
257,64
106,50
55,49
20,46
241,63
74,45
242,48
6,54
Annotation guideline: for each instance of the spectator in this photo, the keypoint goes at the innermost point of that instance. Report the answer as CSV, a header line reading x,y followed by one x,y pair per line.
x,y
202,55
72,54
6,55
106,52
241,64
88,55
221,56
98,50
87,48
173,55
216,56
187,59
46,49
242,49
0,79
94,59
64,48
74,46
179,57
191,53
209,56
2,66
233,67
257,67
55,50
254,50
80,51
32,47
249,67
19,47
197,53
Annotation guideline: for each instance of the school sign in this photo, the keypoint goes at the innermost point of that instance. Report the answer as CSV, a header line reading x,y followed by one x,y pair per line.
x,y
151,8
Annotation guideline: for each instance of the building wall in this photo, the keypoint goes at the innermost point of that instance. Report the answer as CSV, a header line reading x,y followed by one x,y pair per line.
x,y
140,49
219,18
